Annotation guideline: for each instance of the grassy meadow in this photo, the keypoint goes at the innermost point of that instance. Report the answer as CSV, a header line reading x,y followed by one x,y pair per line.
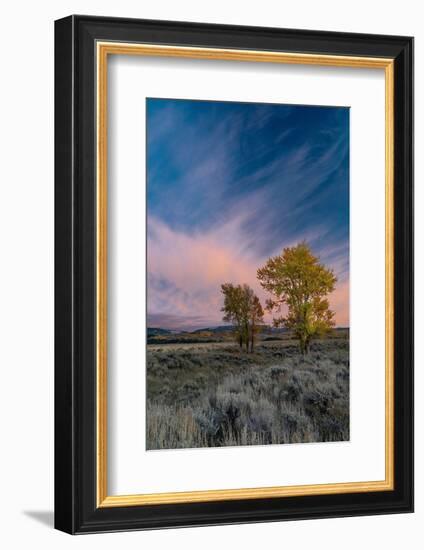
x,y
203,391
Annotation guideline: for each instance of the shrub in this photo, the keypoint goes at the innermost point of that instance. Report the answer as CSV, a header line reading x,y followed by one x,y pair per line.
x,y
201,396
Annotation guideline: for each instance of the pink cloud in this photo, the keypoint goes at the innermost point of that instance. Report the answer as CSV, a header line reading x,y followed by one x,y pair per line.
x,y
339,302
190,269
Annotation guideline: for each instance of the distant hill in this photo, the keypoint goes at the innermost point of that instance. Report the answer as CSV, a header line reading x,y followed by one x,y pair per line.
x,y
222,328
154,331
268,329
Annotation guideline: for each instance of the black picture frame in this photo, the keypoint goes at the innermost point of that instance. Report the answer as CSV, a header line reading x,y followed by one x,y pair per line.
x,y
76,508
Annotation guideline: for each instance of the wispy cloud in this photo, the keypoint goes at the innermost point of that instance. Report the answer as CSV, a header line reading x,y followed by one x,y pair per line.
x,y
231,184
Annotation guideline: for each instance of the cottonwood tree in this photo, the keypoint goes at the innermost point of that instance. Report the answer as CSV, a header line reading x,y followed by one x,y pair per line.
x,y
256,313
232,308
243,309
298,280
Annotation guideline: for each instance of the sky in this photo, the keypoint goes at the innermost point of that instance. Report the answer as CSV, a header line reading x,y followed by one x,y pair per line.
x,y
231,184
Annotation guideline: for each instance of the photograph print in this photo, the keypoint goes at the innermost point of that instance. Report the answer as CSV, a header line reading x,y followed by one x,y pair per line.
x,y
247,274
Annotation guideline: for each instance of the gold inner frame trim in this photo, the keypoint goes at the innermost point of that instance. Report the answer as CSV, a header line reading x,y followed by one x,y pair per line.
x,y
103,50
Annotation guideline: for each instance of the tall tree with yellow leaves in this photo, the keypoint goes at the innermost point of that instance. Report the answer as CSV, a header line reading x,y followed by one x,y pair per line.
x,y
298,280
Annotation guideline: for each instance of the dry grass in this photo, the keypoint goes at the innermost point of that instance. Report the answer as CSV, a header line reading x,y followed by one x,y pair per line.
x,y
219,396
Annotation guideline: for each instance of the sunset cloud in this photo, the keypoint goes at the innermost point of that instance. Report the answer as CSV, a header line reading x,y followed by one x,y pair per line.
x,y
185,273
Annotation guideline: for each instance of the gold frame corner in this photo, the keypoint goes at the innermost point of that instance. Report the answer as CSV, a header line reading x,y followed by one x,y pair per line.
x,y
104,49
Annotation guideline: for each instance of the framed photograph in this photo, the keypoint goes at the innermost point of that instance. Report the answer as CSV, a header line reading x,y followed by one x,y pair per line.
x,y
234,274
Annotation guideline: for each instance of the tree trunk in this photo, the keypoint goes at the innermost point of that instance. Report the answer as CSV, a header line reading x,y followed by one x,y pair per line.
x,y
302,344
307,344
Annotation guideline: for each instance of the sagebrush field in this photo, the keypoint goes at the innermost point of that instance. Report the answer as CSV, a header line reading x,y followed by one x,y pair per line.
x,y
205,392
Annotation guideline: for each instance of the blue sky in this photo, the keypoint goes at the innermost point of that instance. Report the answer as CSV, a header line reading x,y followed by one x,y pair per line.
x,y
230,184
